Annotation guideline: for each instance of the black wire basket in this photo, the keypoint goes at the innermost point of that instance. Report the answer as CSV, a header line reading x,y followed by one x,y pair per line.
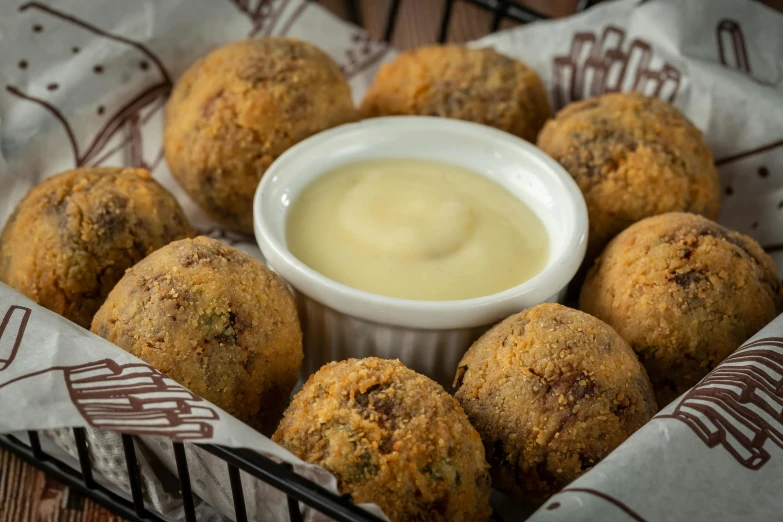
x,y
281,476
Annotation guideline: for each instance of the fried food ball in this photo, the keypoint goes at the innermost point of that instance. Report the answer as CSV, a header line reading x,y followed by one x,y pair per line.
x,y
214,319
392,437
685,292
234,111
633,157
453,81
71,238
551,391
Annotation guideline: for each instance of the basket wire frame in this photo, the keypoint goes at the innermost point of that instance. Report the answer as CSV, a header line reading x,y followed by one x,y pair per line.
x,y
281,476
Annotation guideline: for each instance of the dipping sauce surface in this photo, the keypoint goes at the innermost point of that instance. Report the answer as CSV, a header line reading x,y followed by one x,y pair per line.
x,y
416,229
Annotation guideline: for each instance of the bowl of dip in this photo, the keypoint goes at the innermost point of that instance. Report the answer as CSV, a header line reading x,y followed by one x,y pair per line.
x,y
407,237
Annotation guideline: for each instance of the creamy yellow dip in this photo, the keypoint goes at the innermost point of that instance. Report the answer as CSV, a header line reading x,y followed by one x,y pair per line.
x,y
416,229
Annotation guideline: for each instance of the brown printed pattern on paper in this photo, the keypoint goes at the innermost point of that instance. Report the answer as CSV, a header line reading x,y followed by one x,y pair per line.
x,y
595,66
136,398
291,20
731,38
133,398
758,160
126,121
364,54
599,494
733,50
263,14
12,329
756,150
739,405
733,54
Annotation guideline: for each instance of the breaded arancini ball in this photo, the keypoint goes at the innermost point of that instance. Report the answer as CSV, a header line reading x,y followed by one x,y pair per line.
x,y
452,81
234,111
71,238
633,157
392,437
214,319
685,292
551,391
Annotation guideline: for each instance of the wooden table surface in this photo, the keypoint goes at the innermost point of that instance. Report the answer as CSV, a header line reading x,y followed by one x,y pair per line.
x,y
29,495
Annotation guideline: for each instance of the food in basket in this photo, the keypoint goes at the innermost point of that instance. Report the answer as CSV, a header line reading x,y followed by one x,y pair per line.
x,y
416,229
71,238
633,157
552,391
685,292
237,109
453,81
392,437
215,320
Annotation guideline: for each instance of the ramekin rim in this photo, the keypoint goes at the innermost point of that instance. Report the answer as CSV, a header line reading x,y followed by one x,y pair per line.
x,y
431,315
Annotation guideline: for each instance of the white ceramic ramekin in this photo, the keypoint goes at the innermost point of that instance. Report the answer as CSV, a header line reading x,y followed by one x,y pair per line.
x,y
428,336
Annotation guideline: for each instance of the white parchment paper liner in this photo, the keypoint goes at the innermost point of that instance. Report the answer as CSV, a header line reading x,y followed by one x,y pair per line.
x,y
56,375
84,83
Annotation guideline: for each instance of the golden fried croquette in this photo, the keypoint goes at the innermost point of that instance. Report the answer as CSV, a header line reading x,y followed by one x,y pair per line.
x,y
633,157
391,437
234,111
214,319
685,292
453,81
72,237
551,391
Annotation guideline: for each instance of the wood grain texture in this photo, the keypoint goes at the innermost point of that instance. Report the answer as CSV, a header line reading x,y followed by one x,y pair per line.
x,y
27,494
418,21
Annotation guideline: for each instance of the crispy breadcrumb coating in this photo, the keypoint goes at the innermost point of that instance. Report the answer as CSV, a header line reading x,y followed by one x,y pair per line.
x,y
214,319
391,437
633,157
452,81
71,238
234,111
685,292
552,391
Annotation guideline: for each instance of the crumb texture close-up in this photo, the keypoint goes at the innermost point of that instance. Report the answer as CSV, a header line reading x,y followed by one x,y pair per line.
x,y
73,236
551,391
392,437
214,319
633,157
685,292
453,81
234,111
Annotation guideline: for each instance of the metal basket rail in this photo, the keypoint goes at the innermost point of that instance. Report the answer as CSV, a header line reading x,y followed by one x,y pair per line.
x,y
279,475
